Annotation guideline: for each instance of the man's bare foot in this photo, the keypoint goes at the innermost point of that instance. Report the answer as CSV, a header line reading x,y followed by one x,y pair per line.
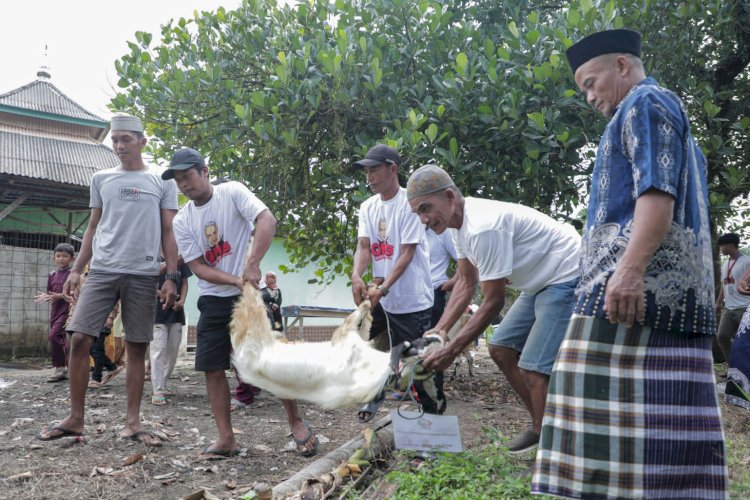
x,y
68,427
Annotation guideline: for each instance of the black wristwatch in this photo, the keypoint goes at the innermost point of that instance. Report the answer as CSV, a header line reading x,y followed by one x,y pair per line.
x,y
173,276
383,290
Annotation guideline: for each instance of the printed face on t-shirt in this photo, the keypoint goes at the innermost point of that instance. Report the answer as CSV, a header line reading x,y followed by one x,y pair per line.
x,y
217,248
381,249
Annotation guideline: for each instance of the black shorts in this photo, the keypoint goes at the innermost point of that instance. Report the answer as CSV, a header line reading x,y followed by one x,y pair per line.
x,y
407,326
214,346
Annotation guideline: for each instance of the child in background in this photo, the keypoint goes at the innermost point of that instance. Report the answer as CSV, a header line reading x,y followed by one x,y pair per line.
x,y
58,313
101,360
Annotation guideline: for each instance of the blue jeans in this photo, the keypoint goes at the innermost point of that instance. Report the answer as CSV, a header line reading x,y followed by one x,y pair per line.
x,y
535,326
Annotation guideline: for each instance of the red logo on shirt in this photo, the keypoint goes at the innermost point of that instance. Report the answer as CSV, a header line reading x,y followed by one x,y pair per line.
x,y
217,247
381,250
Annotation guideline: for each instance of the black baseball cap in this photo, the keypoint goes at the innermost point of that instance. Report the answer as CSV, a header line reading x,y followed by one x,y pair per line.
x,y
182,160
377,155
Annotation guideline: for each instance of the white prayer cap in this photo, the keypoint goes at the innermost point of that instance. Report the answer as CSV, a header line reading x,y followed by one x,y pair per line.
x,y
127,122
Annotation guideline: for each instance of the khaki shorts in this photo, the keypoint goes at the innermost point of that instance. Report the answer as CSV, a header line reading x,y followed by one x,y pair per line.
x,y
102,290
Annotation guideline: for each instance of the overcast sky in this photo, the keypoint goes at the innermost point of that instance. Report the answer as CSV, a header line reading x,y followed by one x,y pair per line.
x,y
84,38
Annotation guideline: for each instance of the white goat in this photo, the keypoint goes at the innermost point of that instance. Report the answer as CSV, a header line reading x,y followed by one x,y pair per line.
x,y
344,372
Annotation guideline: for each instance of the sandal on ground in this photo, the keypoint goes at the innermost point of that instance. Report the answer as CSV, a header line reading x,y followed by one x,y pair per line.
x,y
368,411
158,399
110,375
144,437
302,443
63,433
94,384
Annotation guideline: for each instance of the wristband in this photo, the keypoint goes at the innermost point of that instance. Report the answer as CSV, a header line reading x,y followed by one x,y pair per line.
x,y
173,276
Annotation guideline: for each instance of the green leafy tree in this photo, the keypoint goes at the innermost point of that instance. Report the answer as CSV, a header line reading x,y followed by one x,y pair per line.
x,y
286,98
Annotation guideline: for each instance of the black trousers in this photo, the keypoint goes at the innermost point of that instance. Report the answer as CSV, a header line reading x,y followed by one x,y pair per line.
x,y
101,360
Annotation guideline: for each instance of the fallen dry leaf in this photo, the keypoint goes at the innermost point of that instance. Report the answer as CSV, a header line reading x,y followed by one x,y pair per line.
x,y
36,447
106,395
237,431
101,428
161,435
263,448
231,484
168,475
135,458
170,432
179,463
21,422
104,471
24,476
196,495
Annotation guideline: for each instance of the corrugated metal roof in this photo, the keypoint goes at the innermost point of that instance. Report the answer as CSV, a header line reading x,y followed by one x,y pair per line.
x,y
42,96
55,160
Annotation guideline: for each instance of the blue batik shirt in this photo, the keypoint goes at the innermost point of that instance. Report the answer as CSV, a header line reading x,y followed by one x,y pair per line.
x,y
648,145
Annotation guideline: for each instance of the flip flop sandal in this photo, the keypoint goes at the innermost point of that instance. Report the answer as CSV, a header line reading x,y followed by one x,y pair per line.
x,y
56,378
302,442
93,384
63,433
158,400
368,411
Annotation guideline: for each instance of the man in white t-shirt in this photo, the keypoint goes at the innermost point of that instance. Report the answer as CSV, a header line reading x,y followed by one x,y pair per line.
x,y
131,218
730,304
500,244
392,240
213,232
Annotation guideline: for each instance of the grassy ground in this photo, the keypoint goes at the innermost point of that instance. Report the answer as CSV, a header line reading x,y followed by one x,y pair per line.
x,y
490,473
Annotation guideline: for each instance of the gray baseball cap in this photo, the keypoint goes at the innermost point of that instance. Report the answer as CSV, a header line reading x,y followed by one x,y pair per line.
x,y
183,159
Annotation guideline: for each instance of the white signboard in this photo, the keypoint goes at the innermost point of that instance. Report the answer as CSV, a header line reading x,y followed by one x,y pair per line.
x,y
426,432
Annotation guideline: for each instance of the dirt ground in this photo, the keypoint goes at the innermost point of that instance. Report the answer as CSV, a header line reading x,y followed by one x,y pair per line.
x,y
96,467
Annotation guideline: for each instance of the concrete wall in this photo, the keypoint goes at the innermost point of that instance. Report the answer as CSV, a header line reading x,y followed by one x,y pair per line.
x,y
23,324
24,271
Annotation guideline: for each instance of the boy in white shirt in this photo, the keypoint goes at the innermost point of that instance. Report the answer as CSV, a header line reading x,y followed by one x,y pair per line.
x,y
213,231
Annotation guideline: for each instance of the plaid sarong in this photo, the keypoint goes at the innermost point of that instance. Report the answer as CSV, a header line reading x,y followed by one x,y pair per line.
x,y
631,414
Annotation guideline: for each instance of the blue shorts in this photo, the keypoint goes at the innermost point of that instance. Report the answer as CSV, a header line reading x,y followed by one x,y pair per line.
x,y
535,326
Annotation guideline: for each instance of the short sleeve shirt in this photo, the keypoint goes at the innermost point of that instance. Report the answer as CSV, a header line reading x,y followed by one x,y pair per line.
x,y
441,252
219,232
390,224
506,240
647,145
731,272
128,237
